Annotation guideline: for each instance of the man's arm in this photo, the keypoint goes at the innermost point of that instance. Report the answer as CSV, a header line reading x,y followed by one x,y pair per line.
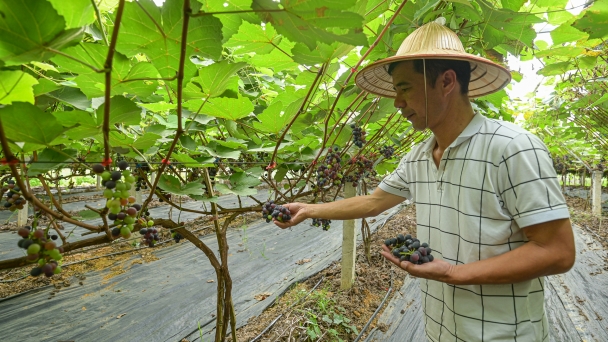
x,y
347,209
550,250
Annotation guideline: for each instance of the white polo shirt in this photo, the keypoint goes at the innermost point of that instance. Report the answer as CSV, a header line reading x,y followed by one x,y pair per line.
x,y
494,179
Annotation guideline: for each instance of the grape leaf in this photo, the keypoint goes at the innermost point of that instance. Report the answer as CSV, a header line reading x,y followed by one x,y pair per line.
x,y
223,107
513,5
93,84
214,78
238,190
37,40
566,33
50,159
172,185
156,32
71,96
24,122
556,69
122,110
16,86
254,38
146,141
76,13
44,86
595,20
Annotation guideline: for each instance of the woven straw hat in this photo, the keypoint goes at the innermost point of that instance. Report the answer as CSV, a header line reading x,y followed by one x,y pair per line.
x,y
434,41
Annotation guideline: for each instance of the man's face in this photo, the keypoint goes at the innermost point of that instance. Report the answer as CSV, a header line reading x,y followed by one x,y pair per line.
x,y
409,86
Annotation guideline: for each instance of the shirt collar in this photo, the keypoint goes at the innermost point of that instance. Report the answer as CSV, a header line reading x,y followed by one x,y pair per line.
x,y
472,128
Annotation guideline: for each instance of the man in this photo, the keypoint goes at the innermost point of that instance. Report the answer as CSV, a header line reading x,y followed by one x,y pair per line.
x,y
487,198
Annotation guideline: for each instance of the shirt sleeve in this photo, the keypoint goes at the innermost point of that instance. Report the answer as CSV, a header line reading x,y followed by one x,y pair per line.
x,y
397,182
528,182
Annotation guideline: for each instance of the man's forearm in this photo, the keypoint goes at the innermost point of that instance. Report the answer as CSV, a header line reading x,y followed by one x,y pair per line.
x,y
346,209
524,263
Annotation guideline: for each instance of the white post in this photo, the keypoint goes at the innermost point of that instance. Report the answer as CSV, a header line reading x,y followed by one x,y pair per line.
x,y
596,199
22,216
349,245
98,186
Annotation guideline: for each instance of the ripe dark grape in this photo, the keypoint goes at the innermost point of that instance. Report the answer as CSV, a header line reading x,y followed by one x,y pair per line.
x,y
408,248
116,175
98,168
36,271
271,211
177,237
123,164
115,232
329,173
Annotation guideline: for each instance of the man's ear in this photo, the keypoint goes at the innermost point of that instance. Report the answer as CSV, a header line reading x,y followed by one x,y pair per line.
x,y
449,82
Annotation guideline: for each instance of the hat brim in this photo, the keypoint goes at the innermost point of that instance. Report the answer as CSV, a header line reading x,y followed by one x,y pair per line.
x,y
487,77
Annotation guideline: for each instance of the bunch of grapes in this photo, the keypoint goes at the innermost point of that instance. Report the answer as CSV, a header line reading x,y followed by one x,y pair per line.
x,y
321,223
176,236
121,206
14,201
358,135
330,172
41,250
364,167
407,248
387,151
140,183
271,210
149,236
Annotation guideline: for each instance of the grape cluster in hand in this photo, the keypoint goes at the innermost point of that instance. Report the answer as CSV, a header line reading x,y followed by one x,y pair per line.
x,y
358,135
407,248
329,173
14,201
387,151
41,250
271,211
321,223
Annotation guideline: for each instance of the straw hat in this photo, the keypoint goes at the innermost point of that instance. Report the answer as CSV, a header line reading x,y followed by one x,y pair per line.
x,y
434,41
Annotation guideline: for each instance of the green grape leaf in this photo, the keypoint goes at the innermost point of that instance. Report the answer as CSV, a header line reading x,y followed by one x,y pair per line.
x,y
254,38
244,179
556,69
186,159
322,53
156,32
86,215
146,141
214,78
71,96
50,159
75,118
223,107
595,20
76,13
24,122
566,51
122,111
566,33
216,150
16,86
172,185
44,86
32,31
237,190
276,60
513,5
291,24
125,79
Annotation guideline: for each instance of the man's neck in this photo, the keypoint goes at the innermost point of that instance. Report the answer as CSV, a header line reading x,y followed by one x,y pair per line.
x,y
455,121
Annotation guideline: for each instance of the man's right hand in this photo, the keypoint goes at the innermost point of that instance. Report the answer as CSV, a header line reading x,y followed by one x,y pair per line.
x,y
298,214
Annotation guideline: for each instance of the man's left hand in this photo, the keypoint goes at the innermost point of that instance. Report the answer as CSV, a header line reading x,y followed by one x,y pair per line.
x,y
437,269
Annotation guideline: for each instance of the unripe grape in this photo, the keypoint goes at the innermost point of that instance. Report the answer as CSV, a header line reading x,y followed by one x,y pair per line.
x,y
107,193
49,246
23,232
124,230
39,234
132,211
57,270
120,186
115,210
123,201
131,199
106,175
33,249
129,220
150,223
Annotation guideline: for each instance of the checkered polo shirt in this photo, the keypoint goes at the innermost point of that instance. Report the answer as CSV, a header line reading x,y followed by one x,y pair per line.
x,y
494,179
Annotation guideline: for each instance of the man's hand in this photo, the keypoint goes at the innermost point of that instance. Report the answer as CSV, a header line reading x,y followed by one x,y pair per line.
x,y
298,214
435,270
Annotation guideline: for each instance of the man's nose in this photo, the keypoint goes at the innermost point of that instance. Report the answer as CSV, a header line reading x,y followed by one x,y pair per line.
x,y
399,103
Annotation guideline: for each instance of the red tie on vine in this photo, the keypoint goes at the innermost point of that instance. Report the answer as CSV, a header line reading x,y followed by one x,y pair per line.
x,y
106,162
13,161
